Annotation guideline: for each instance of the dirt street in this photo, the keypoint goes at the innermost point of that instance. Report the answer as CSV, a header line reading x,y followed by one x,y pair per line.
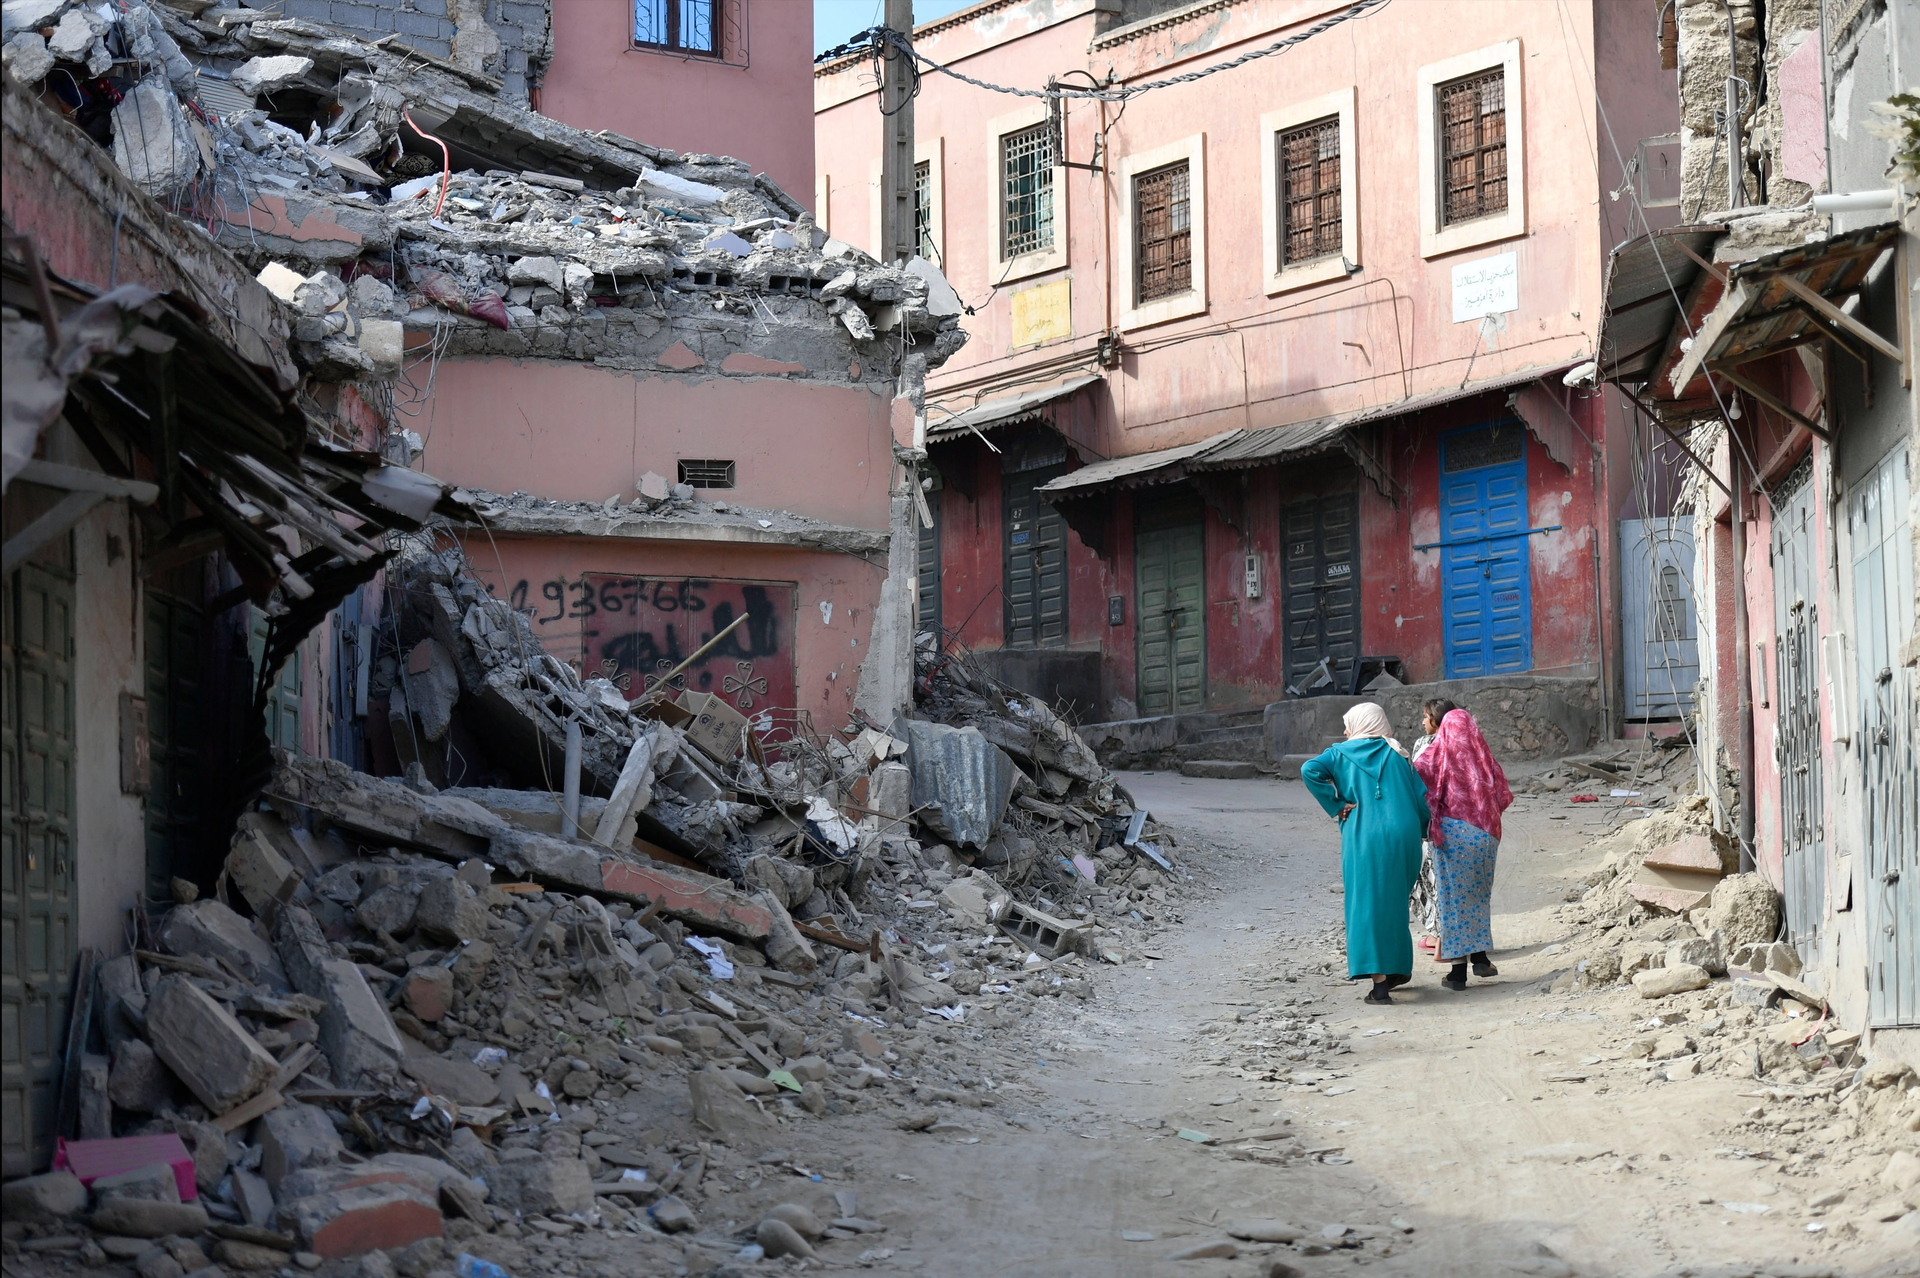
x,y
1503,1130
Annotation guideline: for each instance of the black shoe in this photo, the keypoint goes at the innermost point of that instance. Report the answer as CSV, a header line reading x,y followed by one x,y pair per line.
x,y
1378,994
1456,979
1482,965
1395,981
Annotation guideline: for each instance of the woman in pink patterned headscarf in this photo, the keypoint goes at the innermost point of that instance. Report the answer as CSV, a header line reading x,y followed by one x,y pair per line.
x,y
1466,792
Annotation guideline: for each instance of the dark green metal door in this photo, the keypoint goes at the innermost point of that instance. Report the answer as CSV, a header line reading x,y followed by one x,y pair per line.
x,y
37,872
1170,575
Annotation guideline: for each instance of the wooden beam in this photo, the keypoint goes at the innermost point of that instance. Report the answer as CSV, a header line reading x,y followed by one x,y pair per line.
x,y
1772,401
78,479
1835,315
1682,444
69,511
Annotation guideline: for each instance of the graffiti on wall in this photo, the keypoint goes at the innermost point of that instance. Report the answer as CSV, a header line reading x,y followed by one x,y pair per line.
x,y
635,630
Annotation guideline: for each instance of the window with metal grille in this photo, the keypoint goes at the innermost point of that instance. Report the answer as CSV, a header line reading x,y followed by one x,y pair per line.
x,y
923,209
706,473
1026,191
1163,238
1473,146
1310,191
689,26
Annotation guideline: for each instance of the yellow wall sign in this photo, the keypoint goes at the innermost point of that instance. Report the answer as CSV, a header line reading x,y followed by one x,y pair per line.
x,y
1043,313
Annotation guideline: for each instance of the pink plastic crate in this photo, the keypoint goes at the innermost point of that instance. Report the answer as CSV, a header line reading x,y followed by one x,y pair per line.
x,y
92,1159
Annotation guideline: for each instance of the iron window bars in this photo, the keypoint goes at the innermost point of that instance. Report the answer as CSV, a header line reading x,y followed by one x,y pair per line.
x,y
1473,146
1163,235
1026,191
1310,191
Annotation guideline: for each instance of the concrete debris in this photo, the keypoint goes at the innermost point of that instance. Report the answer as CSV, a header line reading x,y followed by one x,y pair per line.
x,y
456,1016
562,240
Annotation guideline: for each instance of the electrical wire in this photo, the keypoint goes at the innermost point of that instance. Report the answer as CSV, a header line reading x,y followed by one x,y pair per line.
x,y
876,38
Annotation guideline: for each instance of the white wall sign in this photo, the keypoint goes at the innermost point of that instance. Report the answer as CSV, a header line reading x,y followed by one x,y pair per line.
x,y
1486,286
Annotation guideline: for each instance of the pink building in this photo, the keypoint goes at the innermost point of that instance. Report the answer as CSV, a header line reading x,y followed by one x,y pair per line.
x,y
719,77
1267,379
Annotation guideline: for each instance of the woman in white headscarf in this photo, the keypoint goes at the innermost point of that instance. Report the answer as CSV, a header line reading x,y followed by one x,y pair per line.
x,y
1366,784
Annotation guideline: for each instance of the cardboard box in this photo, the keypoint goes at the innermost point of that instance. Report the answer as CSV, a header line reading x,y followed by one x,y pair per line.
x,y
716,727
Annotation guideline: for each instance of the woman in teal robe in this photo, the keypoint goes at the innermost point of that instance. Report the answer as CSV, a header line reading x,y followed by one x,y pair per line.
x,y
1366,784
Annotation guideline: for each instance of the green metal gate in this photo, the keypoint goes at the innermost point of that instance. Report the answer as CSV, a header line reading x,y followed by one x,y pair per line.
x,y
37,871
1170,585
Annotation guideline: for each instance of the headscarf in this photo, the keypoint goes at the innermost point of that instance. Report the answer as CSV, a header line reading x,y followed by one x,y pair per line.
x,y
1464,781
1369,720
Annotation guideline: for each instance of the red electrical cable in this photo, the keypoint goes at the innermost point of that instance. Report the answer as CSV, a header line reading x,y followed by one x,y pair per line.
x,y
446,160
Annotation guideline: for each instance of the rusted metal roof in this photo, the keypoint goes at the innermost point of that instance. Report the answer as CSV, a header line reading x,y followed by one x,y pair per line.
x,y
1769,305
1158,467
1648,280
1275,443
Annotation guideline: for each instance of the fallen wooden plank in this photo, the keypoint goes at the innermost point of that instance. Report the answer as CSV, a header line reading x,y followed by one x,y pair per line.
x,y
248,1110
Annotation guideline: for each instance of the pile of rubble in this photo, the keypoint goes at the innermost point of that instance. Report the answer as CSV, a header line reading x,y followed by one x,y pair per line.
x,y
447,1023
296,142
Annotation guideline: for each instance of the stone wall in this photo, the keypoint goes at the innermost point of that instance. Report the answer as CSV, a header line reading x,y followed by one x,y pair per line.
x,y
1523,717
1762,38
511,40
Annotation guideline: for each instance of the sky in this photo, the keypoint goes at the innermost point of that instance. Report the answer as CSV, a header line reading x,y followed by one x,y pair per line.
x,y
835,20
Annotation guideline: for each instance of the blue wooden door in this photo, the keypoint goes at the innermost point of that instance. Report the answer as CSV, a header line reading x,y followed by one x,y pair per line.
x,y
1486,604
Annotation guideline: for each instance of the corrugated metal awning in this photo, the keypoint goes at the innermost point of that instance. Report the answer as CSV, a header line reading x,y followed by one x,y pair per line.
x,y
1646,280
1275,443
988,414
1242,448
1163,466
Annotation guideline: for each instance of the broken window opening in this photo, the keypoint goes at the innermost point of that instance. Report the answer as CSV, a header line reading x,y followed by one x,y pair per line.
x,y
1310,214
686,26
923,210
1162,233
1473,146
1026,200
706,473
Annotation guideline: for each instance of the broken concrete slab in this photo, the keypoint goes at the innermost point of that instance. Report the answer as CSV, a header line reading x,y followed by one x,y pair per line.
x,y
303,949
687,895
785,946
205,1046
458,1081
263,75
137,1080
1696,853
356,1033
530,1181
450,910
145,1218
43,1199
208,929
1674,891
295,1137
977,900
722,1108
1663,981
258,866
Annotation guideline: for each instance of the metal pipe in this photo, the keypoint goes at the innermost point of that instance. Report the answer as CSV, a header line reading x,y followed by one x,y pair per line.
x,y
570,795
1742,663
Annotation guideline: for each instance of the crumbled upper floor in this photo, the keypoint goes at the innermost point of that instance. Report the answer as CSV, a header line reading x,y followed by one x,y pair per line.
x,y
397,186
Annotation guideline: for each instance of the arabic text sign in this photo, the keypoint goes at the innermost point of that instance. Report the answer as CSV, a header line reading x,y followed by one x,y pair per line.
x,y
1486,286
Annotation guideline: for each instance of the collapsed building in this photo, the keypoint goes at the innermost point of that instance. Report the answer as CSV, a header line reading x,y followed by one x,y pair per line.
x,y
443,815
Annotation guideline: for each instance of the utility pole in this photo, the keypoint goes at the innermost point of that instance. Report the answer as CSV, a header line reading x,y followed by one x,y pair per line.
x,y
897,233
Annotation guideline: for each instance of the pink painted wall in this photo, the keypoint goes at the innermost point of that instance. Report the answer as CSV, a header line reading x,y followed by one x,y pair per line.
x,y
579,432
756,112
832,621
1250,359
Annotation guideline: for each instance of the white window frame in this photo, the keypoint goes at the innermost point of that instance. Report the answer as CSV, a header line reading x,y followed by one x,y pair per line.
x,y
1437,239
932,153
1002,269
1281,276
1180,305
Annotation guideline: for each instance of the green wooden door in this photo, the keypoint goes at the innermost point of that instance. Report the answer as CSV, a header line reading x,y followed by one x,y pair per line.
x,y
37,872
283,700
1170,574
176,737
